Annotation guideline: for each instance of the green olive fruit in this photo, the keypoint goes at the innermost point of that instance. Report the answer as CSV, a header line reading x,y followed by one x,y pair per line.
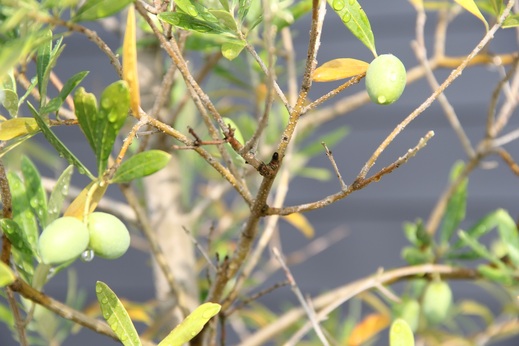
x,y
63,240
411,313
385,79
437,300
109,237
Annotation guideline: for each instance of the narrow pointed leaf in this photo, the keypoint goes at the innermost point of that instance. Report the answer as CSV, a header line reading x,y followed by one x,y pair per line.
x,y
96,9
187,6
17,237
59,193
187,22
191,325
86,113
115,314
35,191
42,63
480,249
508,233
58,144
55,103
113,110
301,223
456,206
356,20
17,127
130,74
337,69
471,6
141,165
511,21
91,194
6,275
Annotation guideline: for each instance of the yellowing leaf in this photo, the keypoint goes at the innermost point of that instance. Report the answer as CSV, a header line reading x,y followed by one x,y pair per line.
x,y
471,6
130,62
367,328
300,222
91,194
17,127
339,69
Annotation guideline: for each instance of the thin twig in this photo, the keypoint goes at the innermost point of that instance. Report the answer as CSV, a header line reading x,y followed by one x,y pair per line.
x,y
255,296
509,160
201,249
334,165
309,311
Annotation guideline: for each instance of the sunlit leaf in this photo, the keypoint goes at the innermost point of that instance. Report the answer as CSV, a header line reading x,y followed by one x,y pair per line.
x,y
191,325
507,230
17,127
6,275
58,144
113,111
35,190
472,307
130,74
59,193
187,6
356,20
471,6
301,223
400,334
86,112
141,165
10,101
96,9
370,326
187,22
115,314
511,21
337,69
91,194
225,19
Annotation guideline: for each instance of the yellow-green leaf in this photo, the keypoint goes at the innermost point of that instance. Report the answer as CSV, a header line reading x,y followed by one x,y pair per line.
x,y
339,69
300,222
141,165
471,6
16,127
115,314
6,275
90,195
191,325
130,74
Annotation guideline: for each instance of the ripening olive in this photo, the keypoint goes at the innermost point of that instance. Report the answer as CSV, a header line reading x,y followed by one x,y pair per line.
x,y
385,79
437,300
109,237
63,240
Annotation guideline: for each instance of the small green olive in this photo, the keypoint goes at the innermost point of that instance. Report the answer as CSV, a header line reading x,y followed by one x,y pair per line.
x,y
385,79
109,237
63,240
437,300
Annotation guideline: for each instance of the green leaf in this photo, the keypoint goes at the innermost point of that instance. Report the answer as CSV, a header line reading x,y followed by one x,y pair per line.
x,y
225,19
471,6
116,315
57,144
456,206
187,22
59,193
191,325
243,9
35,191
400,334
141,165
6,275
13,51
507,230
297,10
85,105
230,50
511,21
6,317
356,20
187,6
42,63
10,101
501,275
96,9
22,212
415,256
480,249
113,111
316,173
54,55
56,103
17,237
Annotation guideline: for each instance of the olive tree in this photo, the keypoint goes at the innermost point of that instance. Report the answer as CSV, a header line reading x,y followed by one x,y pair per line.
x,y
205,127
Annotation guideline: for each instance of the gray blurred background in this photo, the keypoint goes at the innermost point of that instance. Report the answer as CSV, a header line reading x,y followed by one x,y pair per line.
x,y
373,217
